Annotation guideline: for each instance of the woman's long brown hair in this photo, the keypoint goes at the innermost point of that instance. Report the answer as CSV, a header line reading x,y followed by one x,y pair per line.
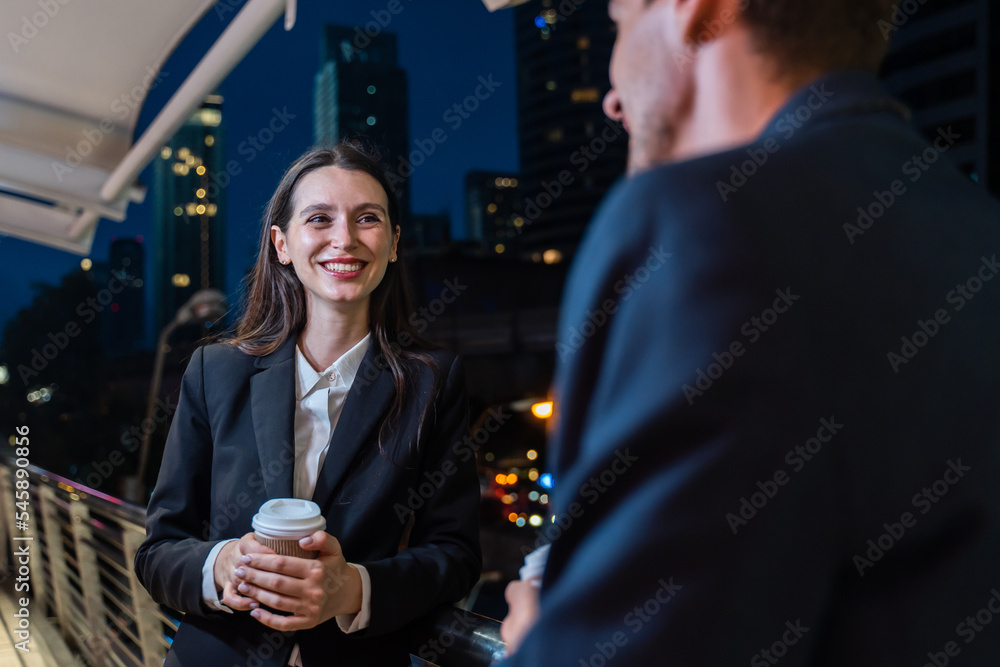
x,y
275,307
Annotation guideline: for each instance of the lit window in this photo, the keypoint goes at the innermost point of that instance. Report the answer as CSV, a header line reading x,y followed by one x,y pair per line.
x,y
210,117
552,256
212,209
191,209
500,248
209,140
200,209
178,210
86,264
200,170
492,208
165,152
183,153
181,280
585,95
200,192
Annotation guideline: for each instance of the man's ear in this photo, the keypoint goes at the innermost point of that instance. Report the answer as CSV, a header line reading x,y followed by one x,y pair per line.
x,y
704,21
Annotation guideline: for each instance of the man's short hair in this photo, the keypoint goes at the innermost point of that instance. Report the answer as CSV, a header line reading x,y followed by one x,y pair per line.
x,y
823,34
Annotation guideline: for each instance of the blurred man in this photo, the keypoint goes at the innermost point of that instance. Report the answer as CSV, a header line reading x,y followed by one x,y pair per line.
x,y
778,364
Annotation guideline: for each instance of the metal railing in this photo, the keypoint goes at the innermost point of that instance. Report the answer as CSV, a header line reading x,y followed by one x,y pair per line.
x,y
81,545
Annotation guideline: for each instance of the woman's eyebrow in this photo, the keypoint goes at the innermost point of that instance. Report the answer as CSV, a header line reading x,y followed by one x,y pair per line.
x,y
314,208
323,207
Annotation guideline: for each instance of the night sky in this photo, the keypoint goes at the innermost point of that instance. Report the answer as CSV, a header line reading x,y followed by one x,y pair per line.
x,y
444,48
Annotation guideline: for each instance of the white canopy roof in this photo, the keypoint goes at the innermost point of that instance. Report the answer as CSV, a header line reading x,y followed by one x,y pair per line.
x,y
73,79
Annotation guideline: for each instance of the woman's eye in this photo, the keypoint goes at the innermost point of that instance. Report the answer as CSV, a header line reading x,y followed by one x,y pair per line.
x,y
370,218
318,218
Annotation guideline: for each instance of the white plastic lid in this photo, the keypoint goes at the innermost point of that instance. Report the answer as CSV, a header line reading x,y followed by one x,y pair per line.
x,y
288,518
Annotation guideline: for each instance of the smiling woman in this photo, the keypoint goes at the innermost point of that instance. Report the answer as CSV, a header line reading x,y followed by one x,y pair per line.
x,y
315,397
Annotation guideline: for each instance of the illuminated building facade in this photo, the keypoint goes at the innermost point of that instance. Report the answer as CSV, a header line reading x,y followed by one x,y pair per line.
x,y
571,153
189,196
492,210
361,90
123,322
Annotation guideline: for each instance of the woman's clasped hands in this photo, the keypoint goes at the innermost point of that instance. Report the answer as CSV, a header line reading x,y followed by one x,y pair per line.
x,y
311,590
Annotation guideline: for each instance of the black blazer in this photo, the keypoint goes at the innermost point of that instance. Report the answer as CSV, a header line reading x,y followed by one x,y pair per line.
x,y
777,433
231,447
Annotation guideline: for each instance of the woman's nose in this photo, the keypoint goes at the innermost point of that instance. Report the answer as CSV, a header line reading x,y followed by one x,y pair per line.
x,y
342,234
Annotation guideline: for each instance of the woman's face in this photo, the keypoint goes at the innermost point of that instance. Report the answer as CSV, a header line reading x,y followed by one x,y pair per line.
x,y
340,239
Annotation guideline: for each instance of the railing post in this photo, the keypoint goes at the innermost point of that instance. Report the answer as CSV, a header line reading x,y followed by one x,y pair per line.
x,y
145,608
90,580
6,516
57,555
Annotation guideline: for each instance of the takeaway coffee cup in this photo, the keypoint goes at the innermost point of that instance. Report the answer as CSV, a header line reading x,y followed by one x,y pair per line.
x,y
281,522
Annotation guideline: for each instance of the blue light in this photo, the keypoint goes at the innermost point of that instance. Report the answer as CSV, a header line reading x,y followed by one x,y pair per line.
x,y
539,21
545,481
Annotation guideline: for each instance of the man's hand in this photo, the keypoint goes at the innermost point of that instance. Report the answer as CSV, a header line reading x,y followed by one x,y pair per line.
x,y
522,600
314,591
225,565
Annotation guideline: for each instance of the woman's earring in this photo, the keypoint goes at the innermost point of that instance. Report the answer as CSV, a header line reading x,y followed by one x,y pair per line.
x,y
392,259
284,262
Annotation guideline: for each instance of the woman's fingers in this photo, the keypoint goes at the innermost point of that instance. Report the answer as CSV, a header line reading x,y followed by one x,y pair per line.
x,y
277,622
288,565
272,599
250,545
232,599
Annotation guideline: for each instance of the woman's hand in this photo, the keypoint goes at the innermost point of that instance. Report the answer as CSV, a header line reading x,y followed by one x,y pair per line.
x,y
225,566
314,591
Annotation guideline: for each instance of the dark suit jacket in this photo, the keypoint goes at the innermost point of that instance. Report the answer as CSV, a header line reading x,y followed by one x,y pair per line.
x,y
230,448
779,444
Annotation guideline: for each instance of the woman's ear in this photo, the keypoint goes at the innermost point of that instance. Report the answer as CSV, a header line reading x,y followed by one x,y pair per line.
x,y
395,241
278,240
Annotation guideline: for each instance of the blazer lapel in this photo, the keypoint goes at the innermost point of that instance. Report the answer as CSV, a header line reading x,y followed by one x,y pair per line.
x,y
272,396
365,405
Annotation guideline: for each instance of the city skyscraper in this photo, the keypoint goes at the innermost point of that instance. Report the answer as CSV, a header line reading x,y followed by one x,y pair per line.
x,y
493,211
570,152
189,197
428,230
361,90
944,63
123,323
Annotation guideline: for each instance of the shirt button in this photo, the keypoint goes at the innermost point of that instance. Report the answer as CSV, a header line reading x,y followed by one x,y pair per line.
x,y
331,377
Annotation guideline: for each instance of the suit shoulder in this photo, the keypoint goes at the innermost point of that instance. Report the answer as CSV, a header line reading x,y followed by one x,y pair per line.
x,y
443,360
223,356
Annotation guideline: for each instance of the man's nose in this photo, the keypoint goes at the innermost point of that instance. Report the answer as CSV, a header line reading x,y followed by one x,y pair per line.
x,y
613,106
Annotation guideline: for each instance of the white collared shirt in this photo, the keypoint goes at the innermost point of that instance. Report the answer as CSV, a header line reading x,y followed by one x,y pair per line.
x,y
319,400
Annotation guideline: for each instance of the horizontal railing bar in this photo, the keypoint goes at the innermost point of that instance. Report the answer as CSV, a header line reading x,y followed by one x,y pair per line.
x,y
123,626
169,622
107,555
123,587
136,660
121,604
